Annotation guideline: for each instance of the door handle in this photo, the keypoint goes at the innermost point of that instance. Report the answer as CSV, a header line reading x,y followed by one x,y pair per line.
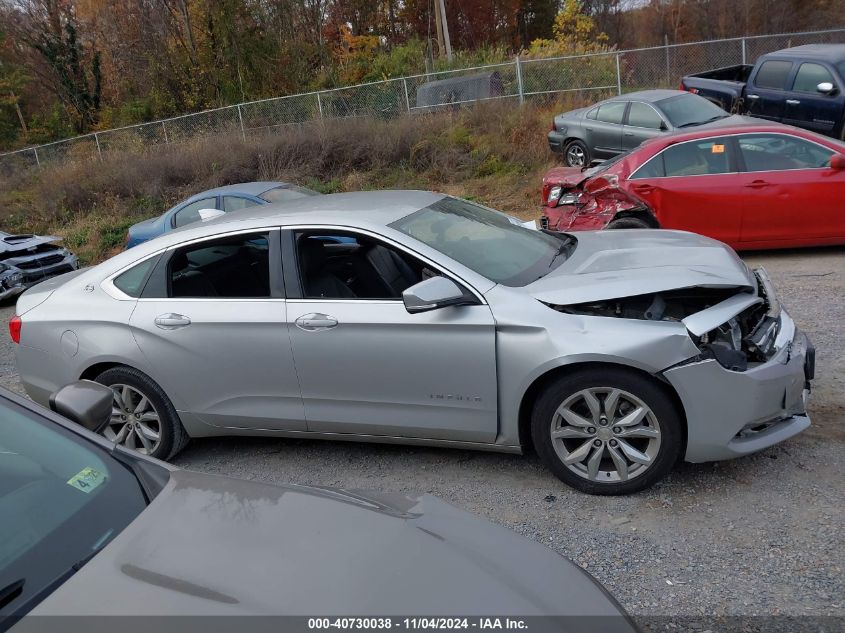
x,y
171,321
792,102
315,321
629,133
758,184
589,129
752,97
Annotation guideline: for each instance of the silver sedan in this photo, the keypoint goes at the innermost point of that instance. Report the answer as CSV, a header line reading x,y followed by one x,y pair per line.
x,y
418,318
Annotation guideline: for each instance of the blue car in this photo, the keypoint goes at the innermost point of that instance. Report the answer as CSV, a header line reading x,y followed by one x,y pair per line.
x,y
228,198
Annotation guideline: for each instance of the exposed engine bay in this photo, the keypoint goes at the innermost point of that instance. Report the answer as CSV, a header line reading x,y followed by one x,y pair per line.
x,y
745,338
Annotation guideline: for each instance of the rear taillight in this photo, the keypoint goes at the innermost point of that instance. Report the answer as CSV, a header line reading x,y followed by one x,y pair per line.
x,y
15,328
681,86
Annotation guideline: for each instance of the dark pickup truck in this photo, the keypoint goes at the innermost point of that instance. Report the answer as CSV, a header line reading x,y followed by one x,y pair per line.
x,y
802,86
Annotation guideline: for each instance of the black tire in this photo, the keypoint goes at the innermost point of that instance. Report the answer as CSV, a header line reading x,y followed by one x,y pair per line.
x,y
173,437
663,414
573,149
628,223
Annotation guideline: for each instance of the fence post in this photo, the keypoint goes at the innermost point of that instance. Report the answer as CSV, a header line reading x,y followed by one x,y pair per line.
x,y
164,129
519,80
618,76
35,151
319,105
407,99
97,141
241,119
744,52
666,54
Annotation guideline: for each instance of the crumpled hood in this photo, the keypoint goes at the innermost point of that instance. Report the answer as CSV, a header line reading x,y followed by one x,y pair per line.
x,y
625,263
22,243
216,546
566,176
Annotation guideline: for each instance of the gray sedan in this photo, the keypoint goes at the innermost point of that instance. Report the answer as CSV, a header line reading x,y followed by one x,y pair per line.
x,y
91,529
622,123
435,321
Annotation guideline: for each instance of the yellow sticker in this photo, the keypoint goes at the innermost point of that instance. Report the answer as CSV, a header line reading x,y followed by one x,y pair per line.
x,y
87,479
718,149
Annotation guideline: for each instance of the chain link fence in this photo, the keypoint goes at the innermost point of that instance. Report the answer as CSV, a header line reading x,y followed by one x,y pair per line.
x,y
586,77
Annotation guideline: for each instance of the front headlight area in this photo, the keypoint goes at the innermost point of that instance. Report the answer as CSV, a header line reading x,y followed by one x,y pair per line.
x,y
751,337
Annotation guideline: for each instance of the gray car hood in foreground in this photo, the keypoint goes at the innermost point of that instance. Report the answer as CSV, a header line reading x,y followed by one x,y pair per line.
x,y
217,546
625,263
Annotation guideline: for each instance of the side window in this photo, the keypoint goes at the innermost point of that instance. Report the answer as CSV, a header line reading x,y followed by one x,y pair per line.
x,y
612,112
697,158
773,152
643,115
191,213
809,76
228,267
235,203
131,282
773,75
654,168
592,113
341,265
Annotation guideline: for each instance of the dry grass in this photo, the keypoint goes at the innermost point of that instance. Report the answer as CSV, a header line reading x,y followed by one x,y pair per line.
x,y
494,153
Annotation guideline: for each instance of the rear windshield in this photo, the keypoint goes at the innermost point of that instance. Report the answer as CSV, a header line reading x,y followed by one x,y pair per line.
x,y
486,241
688,110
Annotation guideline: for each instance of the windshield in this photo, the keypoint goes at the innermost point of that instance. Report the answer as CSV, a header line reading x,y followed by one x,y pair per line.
x,y
486,241
688,110
286,194
62,499
603,166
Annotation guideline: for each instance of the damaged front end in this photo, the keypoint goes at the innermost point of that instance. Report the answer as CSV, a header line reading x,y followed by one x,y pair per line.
x,y
748,387
590,204
26,260
734,328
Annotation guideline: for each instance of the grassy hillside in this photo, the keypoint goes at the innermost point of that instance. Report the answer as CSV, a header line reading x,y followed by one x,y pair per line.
x,y
493,153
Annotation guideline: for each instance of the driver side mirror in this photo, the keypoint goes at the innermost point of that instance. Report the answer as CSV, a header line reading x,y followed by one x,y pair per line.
x,y
85,402
837,161
826,88
435,293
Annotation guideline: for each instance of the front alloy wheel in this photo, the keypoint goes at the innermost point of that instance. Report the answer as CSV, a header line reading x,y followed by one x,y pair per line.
x,y
607,430
605,434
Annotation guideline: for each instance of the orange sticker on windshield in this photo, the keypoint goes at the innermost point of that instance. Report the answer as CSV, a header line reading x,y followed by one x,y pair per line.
x,y
718,149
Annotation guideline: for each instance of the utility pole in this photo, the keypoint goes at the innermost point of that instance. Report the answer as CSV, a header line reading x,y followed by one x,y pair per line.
x,y
438,19
442,10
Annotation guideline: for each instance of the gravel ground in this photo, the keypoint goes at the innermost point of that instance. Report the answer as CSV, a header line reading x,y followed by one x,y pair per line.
x,y
760,535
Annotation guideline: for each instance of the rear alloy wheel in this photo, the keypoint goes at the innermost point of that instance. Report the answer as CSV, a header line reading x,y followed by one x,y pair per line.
x,y
607,431
576,154
143,419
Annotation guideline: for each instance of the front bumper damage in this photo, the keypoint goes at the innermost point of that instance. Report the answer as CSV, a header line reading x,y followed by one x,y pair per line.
x,y
22,266
731,414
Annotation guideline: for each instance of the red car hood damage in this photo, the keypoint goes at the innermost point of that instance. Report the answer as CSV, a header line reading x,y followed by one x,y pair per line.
x,y
584,203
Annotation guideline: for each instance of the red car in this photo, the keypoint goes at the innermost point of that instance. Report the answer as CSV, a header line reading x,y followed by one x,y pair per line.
x,y
748,184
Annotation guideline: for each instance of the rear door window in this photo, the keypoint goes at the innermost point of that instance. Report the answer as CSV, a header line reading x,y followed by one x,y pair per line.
x,y
229,267
775,152
236,203
643,115
612,112
190,213
773,75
